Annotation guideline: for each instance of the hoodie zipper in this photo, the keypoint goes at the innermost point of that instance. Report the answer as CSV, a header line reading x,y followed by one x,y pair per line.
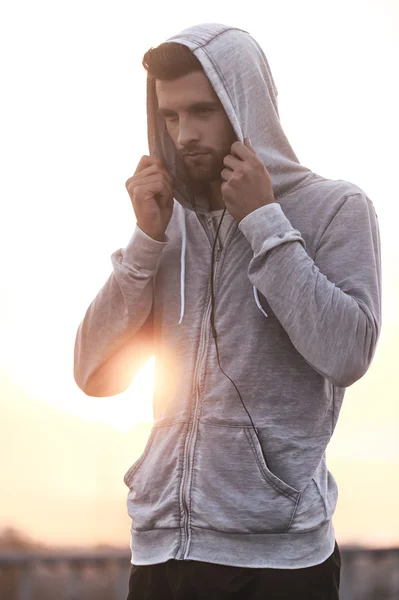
x,y
194,428
193,431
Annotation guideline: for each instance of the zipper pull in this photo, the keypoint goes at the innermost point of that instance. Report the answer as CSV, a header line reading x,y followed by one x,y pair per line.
x,y
219,251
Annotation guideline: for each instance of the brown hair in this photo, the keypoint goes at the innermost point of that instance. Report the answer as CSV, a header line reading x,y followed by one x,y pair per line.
x,y
170,61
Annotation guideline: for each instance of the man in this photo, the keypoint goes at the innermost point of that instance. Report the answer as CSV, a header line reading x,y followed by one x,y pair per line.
x,y
256,284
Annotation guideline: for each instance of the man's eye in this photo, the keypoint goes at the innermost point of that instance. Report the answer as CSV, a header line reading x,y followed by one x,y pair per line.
x,y
170,117
204,111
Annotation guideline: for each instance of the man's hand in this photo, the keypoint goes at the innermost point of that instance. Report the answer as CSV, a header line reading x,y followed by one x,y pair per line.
x,y
151,192
247,184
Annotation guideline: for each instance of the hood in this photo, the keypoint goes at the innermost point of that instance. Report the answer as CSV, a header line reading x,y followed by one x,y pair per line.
x,y
240,75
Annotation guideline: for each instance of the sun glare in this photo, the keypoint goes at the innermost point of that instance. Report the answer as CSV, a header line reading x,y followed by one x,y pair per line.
x,y
122,411
125,410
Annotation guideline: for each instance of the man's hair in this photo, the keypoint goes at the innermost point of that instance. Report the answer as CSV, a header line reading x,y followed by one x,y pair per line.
x,y
170,61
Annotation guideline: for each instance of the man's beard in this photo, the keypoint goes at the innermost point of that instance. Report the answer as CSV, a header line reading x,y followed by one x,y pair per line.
x,y
205,168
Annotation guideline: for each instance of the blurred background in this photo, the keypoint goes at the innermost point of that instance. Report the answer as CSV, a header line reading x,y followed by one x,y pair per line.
x,y
73,128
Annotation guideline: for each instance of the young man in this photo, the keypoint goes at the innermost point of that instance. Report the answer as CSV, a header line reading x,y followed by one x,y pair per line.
x,y
256,284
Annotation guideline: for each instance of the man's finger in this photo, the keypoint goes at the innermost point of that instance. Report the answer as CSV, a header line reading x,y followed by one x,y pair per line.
x,y
147,161
247,142
242,150
226,174
231,162
150,171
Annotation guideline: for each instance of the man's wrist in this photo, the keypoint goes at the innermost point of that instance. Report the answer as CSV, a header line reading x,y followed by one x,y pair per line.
x,y
155,235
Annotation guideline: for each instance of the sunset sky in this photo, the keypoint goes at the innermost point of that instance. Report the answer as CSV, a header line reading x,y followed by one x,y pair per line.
x,y
73,128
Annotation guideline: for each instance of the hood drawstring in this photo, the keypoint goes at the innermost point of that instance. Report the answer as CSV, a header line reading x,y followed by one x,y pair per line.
x,y
182,262
182,218
258,304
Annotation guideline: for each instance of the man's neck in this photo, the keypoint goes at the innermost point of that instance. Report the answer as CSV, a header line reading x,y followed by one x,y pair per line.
x,y
212,191
216,199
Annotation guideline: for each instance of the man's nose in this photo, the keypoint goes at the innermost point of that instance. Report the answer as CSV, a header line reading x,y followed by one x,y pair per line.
x,y
187,133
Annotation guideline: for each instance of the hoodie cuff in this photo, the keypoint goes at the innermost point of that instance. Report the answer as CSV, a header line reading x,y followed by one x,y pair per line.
x,y
268,227
143,251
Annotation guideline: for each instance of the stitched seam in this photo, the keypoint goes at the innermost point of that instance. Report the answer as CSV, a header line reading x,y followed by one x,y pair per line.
x,y
153,529
189,523
219,34
136,465
321,497
333,217
266,476
181,510
240,426
170,424
296,187
294,512
181,494
221,76
333,410
268,532
222,531
185,470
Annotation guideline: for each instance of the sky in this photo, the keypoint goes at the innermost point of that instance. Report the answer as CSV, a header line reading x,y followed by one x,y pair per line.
x,y
73,128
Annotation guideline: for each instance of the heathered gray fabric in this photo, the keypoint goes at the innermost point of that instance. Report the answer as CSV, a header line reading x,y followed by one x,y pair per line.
x,y
204,489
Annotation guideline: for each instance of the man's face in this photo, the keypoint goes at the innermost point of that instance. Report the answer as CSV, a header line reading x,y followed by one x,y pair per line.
x,y
197,123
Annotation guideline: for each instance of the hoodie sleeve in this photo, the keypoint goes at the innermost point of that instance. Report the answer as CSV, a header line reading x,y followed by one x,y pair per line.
x,y
115,336
330,307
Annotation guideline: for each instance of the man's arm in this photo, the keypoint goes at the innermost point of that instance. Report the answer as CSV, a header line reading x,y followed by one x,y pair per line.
x,y
115,337
329,307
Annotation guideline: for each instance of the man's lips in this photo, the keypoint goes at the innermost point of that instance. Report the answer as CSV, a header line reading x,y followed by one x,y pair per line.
x,y
194,154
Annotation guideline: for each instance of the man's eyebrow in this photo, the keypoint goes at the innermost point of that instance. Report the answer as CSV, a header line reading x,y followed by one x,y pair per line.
x,y
204,104
195,106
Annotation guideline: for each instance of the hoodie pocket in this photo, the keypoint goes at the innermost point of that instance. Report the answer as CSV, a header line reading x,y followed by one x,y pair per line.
x,y
130,473
154,480
233,489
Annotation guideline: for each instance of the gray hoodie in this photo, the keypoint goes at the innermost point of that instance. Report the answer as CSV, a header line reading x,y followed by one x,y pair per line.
x,y
297,315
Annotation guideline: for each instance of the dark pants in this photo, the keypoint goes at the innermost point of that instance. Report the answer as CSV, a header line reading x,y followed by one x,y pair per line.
x,y
192,580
